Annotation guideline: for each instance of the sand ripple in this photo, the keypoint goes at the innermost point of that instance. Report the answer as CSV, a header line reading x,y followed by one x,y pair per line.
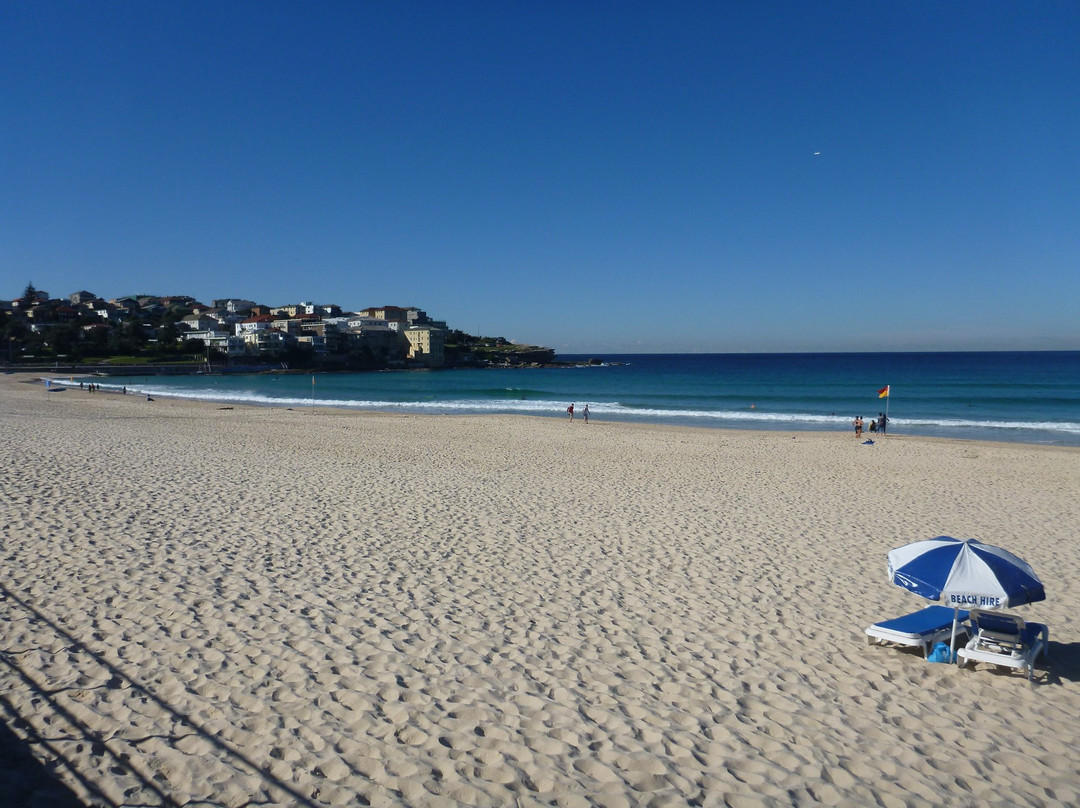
x,y
295,608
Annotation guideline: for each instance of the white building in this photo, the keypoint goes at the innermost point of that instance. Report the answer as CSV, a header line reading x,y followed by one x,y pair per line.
x,y
229,344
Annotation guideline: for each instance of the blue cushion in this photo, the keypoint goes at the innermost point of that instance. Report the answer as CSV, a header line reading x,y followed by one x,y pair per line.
x,y
1031,633
924,621
1006,625
997,623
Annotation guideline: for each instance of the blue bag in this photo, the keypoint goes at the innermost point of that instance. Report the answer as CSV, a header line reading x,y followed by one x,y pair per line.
x,y
940,653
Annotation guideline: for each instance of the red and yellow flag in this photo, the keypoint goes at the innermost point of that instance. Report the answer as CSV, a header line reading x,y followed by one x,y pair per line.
x,y
883,392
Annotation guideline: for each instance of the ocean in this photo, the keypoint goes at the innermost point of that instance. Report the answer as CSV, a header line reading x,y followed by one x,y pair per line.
x,y
1025,397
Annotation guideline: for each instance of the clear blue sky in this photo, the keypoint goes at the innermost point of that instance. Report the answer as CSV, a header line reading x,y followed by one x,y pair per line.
x,y
591,176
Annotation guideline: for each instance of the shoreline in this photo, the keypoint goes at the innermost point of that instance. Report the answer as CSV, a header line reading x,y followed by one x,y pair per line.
x,y
319,605
595,420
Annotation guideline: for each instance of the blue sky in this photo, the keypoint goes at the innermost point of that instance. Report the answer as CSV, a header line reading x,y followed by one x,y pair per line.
x,y
591,176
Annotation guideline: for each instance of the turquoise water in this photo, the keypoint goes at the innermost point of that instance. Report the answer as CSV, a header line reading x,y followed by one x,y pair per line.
x,y
1030,397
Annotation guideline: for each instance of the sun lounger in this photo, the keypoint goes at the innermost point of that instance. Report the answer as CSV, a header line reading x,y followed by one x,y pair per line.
x,y
1004,639
921,629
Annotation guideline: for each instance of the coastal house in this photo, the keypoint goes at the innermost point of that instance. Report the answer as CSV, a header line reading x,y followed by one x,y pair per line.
x,y
182,302
24,307
304,307
81,298
414,316
381,344
328,331
314,342
320,327
264,341
125,305
365,319
224,319
199,322
38,298
355,322
401,317
234,305
65,314
233,345
294,325
291,310
229,344
106,311
227,319
388,314
356,325
426,345
40,312
259,322
289,326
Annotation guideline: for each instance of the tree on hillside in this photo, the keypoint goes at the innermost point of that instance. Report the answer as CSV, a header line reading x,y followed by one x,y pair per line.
x,y
14,332
169,333
127,339
29,295
66,340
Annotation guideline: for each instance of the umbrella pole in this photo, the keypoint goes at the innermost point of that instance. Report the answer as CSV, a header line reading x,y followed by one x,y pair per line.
x,y
952,641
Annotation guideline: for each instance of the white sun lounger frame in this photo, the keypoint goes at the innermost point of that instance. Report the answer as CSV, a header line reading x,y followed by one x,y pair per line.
x,y
1005,647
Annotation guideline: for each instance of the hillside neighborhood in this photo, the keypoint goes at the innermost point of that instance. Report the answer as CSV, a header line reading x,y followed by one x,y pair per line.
x,y
234,333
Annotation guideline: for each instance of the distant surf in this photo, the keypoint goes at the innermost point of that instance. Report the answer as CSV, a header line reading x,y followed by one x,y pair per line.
x,y
1021,397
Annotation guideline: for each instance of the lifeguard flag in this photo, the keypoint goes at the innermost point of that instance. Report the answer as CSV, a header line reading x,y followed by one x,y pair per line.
x,y
883,392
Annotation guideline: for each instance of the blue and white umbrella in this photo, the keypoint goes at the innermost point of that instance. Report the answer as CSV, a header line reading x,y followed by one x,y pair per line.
x,y
964,574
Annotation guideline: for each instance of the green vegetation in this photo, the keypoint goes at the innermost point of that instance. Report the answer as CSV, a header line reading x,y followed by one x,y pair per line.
x,y
464,349
78,336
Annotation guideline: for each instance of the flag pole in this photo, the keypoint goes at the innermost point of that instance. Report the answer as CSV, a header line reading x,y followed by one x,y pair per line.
x,y
884,393
887,396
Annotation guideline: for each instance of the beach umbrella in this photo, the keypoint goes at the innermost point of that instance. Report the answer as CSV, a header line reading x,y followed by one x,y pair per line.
x,y
964,574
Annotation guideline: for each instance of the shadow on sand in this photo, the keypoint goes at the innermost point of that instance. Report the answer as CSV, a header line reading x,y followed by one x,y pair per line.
x,y
1061,663
34,784
26,782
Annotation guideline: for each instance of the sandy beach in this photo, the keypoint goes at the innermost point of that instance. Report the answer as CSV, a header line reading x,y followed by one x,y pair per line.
x,y
232,606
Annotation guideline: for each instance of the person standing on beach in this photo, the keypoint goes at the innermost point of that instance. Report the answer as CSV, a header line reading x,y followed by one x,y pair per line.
x,y
570,410
857,423
881,421
585,413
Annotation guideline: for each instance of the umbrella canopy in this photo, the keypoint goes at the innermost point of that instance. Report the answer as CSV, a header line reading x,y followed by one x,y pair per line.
x,y
965,574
